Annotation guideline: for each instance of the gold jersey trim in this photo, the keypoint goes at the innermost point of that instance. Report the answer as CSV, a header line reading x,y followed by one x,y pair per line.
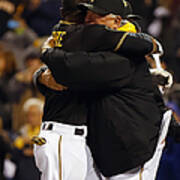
x,y
66,22
121,41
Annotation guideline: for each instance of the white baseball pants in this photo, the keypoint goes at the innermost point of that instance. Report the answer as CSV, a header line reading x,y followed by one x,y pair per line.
x,y
64,156
149,170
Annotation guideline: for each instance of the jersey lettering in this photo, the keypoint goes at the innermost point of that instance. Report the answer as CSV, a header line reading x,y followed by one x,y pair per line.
x,y
58,37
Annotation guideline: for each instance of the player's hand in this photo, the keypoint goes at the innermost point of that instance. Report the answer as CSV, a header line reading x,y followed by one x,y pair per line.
x,y
47,79
49,43
165,74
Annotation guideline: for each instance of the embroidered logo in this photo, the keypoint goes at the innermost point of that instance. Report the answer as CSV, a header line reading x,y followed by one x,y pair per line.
x,y
125,3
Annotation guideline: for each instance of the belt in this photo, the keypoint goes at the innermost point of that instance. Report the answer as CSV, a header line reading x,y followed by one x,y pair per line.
x,y
53,126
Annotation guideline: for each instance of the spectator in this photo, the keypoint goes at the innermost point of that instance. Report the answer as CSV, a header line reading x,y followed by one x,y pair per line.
x,y
7,8
33,108
20,38
144,8
157,26
22,80
5,148
22,87
175,64
160,28
41,15
7,70
26,169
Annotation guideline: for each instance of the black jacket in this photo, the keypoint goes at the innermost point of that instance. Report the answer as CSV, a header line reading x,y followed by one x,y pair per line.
x,y
123,119
123,116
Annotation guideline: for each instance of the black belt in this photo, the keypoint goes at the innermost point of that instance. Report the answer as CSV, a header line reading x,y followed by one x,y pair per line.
x,y
49,127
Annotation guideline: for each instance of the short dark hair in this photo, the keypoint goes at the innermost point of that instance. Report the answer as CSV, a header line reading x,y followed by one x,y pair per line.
x,y
71,12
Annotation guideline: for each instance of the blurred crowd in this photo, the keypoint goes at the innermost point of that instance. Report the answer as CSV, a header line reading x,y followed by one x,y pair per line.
x,y
24,25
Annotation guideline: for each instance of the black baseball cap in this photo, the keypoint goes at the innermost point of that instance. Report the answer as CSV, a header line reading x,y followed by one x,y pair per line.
x,y
68,5
104,7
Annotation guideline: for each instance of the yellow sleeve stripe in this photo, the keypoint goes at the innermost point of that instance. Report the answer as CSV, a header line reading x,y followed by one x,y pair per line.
x,y
121,41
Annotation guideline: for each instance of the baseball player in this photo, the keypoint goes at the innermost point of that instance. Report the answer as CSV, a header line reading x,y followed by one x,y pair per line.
x,y
61,151
121,49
